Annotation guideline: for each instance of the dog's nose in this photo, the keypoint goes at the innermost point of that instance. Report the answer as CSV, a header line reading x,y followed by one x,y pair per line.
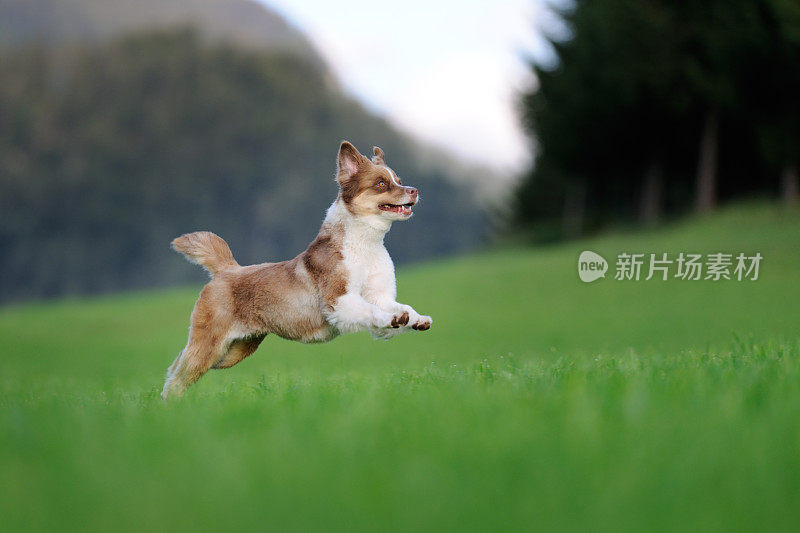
x,y
412,192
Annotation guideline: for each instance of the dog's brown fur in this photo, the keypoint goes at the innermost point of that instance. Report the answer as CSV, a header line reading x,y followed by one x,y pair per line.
x,y
241,295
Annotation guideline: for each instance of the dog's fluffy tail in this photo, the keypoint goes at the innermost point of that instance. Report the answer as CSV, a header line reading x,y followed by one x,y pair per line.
x,y
207,250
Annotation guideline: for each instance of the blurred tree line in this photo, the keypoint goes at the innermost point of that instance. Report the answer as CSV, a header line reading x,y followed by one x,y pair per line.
x,y
655,108
109,151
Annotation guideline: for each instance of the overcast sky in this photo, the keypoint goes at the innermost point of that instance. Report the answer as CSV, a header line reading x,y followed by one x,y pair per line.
x,y
447,71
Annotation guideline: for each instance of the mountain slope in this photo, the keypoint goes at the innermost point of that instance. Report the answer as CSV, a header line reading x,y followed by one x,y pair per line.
x,y
159,133
240,22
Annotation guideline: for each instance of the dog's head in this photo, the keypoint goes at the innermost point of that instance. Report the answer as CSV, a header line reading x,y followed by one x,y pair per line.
x,y
370,188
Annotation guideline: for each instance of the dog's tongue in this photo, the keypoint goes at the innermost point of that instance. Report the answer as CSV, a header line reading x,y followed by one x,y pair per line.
x,y
400,209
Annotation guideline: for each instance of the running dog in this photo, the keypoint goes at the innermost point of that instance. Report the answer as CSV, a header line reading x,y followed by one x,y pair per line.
x,y
342,283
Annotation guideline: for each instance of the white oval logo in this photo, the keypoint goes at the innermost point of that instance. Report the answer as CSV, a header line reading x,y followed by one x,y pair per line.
x,y
591,266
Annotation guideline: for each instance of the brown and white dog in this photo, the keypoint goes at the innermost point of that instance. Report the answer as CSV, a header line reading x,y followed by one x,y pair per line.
x,y
343,282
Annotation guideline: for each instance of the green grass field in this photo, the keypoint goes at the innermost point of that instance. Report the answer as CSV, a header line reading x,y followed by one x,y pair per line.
x,y
535,402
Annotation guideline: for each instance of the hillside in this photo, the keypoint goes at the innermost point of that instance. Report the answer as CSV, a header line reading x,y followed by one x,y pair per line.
x,y
60,22
535,398
529,303
107,152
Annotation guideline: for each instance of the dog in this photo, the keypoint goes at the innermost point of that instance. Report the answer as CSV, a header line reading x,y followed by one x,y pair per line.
x,y
343,282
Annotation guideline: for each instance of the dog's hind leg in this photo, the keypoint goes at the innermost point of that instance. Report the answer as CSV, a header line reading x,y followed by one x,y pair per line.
x,y
202,351
174,364
238,350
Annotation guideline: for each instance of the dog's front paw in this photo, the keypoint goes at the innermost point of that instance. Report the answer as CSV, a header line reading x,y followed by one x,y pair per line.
x,y
423,323
382,319
400,319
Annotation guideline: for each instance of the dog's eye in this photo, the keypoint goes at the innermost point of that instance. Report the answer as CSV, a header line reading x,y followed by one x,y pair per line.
x,y
381,184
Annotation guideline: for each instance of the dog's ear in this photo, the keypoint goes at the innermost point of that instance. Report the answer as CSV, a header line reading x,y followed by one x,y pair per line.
x,y
377,156
349,162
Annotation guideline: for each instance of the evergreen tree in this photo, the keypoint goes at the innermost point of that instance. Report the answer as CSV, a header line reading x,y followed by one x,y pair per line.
x,y
654,106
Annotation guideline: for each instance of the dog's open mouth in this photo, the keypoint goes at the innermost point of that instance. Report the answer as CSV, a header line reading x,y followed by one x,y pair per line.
x,y
404,209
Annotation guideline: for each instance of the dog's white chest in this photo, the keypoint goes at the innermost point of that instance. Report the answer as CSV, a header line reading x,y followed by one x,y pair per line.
x,y
365,261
